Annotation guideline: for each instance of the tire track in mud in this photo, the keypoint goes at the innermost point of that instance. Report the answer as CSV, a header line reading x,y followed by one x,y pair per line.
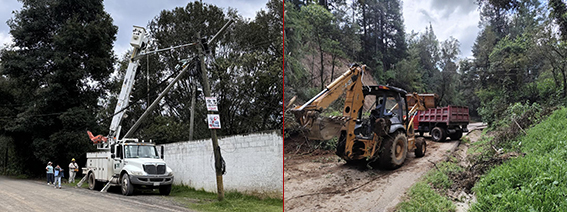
x,y
323,183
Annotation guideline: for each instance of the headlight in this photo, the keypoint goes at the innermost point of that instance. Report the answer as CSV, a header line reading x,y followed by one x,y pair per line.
x,y
138,173
170,174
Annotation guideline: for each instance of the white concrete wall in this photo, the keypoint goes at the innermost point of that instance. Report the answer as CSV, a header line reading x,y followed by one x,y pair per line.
x,y
254,162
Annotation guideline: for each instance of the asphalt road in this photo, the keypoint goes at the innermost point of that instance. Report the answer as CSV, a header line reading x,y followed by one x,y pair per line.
x,y
33,195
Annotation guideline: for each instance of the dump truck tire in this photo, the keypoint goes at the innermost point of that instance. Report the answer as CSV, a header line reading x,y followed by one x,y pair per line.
x,y
126,186
438,134
394,151
420,147
457,135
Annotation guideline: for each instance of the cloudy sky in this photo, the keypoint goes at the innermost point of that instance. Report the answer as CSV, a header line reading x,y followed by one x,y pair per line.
x,y
457,18
127,13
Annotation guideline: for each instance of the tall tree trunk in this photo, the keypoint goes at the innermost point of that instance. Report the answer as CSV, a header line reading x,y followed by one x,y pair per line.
x,y
322,72
333,56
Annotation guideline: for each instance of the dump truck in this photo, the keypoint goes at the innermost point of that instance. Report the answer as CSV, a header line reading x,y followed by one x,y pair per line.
x,y
382,134
440,122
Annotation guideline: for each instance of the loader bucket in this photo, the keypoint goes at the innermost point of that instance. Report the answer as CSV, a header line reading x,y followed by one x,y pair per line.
x,y
324,128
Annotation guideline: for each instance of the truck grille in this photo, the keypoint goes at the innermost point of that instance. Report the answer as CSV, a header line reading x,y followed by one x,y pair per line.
x,y
153,169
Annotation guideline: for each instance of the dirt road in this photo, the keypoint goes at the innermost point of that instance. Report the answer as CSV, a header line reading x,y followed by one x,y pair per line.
x,y
30,195
322,183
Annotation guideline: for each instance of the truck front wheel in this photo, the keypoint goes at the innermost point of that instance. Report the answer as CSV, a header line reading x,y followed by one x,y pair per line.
x,y
438,134
394,151
127,187
165,190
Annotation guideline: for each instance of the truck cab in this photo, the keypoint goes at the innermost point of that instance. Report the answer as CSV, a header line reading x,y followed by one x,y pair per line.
x,y
129,164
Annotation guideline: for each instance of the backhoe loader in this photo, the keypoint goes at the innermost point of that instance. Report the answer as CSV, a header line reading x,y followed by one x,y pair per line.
x,y
383,134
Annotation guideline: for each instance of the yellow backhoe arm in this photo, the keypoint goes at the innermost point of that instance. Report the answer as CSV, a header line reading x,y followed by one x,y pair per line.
x,y
324,128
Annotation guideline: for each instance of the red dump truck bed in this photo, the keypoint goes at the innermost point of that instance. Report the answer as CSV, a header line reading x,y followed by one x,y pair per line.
x,y
449,115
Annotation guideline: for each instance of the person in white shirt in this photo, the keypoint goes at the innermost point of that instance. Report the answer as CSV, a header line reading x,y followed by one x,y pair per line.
x,y
73,169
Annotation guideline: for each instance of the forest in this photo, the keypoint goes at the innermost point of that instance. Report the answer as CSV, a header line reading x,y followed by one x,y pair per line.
x,y
518,55
60,78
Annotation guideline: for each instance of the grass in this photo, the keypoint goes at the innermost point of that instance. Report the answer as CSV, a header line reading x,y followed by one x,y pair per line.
x,y
536,182
439,178
84,185
423,198
424,195
234,201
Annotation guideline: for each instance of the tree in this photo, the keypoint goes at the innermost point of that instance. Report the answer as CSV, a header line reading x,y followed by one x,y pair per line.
x,y
57,69
244,67
383,36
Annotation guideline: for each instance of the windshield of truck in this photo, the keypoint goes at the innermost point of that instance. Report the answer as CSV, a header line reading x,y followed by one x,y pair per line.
x,y
140,151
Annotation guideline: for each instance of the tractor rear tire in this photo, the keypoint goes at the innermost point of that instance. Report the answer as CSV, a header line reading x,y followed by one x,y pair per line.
x,y
457,135
394,151
438,134
420,147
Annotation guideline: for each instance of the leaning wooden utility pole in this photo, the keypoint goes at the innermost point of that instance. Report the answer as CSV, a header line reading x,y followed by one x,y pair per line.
x,y
207,92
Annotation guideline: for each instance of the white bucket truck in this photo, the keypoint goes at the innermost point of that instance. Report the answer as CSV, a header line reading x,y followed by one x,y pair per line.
x,y
128,162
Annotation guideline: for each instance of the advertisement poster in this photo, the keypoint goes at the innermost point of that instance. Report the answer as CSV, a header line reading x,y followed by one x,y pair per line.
x,y
214,121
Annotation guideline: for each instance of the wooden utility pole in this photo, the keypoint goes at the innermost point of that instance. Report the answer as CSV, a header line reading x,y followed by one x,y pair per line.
x,y
192,118
216,150
207,92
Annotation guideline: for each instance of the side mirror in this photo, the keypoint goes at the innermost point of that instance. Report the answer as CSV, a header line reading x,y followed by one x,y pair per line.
x,y
162,151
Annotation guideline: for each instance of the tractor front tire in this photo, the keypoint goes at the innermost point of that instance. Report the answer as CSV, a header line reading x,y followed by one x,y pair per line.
x,y
394,151
438,134
420,147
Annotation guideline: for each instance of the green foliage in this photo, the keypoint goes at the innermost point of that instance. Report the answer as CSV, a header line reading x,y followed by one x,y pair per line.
x,y
234,201
536,182
423,198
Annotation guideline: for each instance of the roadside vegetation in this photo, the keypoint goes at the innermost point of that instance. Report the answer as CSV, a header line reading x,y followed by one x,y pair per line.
x,y
535,182
234,201
511,168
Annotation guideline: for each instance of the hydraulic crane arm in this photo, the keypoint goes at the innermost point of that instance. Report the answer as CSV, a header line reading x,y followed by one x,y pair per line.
x,y
138,41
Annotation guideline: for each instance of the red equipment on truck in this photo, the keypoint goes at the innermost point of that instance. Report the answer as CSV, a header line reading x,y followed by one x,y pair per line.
x,y
440,122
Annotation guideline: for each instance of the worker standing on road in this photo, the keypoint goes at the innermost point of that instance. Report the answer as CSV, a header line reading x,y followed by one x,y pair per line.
x,y
73,169
49,172
58,175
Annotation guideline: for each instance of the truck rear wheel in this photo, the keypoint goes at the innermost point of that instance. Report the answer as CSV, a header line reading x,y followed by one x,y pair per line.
x,y
92,181
126,186
394,151
457,135
420,147
165,190
438,134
